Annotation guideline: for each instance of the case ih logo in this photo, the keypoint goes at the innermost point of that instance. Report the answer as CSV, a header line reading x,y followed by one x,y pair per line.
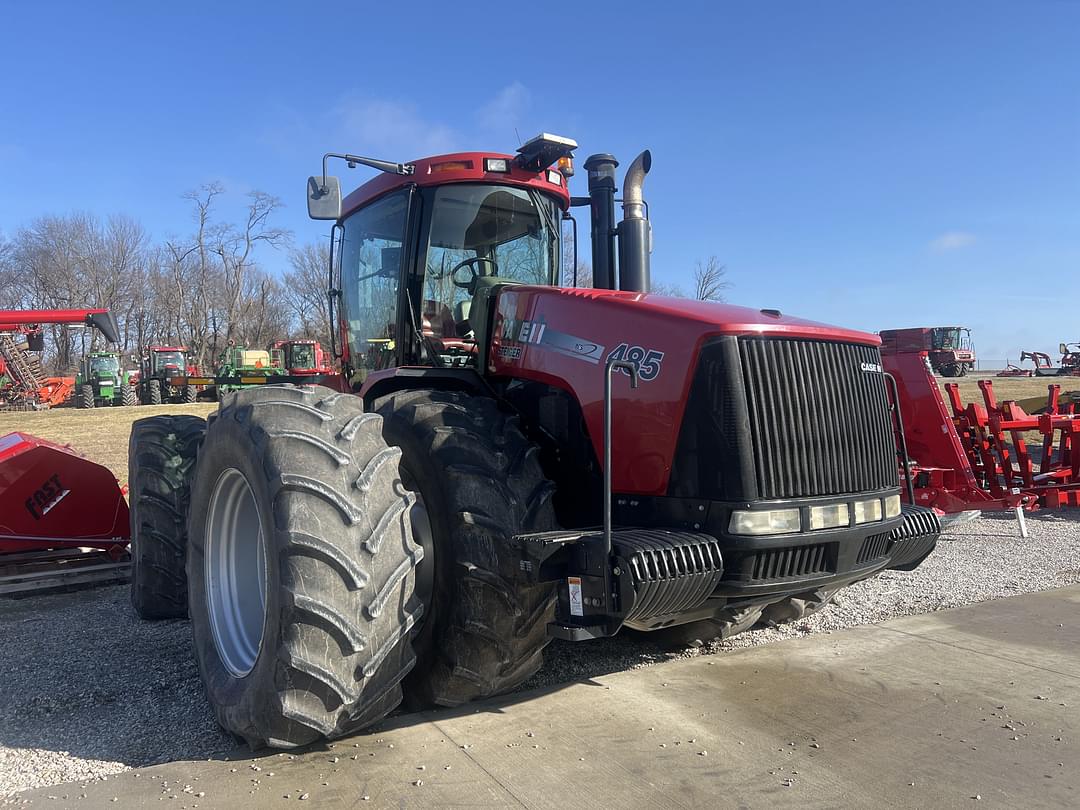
x,y
871,367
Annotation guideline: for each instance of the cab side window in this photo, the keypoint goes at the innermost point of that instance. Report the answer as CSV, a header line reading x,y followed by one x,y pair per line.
x,y
371,256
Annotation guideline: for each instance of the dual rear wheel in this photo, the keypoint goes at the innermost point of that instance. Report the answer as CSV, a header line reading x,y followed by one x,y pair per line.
x,y
327,549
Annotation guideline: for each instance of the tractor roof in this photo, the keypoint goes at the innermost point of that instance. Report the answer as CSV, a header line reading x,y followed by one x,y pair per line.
x,y
166,348
460,167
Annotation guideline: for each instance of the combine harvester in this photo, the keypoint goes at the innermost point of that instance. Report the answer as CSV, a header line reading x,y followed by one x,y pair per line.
x,y
63,519
948,349
505,461
23,383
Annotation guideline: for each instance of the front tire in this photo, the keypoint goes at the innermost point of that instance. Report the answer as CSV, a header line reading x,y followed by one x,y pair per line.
x,y
479,482
301,567
86,396
190,394
161,462
155,391
130,397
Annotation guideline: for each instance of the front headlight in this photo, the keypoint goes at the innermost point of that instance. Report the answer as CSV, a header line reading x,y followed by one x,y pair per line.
x,y
765,521
892,506
867,511
829,517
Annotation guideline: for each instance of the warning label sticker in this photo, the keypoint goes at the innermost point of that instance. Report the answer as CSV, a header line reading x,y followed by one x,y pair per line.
x,y
574,584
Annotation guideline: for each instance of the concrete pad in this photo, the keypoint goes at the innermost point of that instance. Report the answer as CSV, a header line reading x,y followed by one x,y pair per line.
x,y
970,707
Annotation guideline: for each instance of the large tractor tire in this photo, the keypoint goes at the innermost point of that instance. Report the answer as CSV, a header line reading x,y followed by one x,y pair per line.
x,y
86,396
130,396
301,567
479,482
161,460
191,393
79,397
154,391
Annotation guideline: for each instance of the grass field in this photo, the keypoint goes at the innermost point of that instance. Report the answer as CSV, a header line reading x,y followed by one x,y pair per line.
x,y
100,434
1007,387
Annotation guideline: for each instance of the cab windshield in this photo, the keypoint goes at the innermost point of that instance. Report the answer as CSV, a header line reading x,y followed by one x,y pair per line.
x,y
163,359
950,338
105,365
302,356
491,231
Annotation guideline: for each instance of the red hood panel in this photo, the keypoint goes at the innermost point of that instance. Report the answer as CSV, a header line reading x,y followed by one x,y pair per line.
x,y
563,337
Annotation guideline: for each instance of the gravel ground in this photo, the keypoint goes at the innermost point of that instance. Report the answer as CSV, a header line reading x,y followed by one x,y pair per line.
x,y
88,691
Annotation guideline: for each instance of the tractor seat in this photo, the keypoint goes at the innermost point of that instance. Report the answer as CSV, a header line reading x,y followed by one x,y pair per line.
x,y
461,317
440,328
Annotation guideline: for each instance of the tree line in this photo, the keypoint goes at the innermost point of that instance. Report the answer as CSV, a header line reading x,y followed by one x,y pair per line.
x,y
204,290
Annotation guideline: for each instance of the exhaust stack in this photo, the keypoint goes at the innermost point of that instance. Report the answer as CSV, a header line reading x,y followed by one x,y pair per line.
x,y
601,170
635,231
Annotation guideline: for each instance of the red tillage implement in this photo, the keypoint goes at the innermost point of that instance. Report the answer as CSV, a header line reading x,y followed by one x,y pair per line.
x,y
55,504
977,456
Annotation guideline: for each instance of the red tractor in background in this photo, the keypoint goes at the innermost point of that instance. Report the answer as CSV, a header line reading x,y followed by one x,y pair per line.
x,y
948,348
503,461
302,357
163,376
23,382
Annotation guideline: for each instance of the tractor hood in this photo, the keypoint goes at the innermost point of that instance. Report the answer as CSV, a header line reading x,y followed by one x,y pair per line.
x,y
563,338
716,318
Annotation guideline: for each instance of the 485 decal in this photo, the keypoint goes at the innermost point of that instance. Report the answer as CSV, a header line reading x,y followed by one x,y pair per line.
x,y
647,361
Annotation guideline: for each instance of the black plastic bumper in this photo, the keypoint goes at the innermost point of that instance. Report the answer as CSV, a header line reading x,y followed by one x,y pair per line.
x,y
660,577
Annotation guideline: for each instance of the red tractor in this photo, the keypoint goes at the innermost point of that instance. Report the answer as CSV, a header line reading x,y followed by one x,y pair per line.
x,y
163,376
503,461
302,357
949,348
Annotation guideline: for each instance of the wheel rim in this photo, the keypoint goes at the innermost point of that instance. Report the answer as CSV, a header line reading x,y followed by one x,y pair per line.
x,y
423,537
235,573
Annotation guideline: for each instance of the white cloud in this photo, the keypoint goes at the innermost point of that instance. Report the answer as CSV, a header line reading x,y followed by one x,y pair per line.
x,y
952,240
504,113
381,126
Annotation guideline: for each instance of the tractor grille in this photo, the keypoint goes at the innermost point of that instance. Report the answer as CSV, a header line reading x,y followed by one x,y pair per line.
x,y
820,422
800,561
873,548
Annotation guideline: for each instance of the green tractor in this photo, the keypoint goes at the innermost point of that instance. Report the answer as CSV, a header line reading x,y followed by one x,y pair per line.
x,y
102,380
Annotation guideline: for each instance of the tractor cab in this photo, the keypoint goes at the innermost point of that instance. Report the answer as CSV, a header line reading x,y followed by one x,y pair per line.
x,y
102,366
420,258
950,338
165,362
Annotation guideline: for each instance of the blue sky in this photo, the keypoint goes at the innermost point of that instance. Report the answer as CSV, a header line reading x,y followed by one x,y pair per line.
x,y
869,164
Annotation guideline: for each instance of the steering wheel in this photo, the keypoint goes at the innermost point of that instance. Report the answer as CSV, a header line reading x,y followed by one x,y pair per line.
x,y
469,283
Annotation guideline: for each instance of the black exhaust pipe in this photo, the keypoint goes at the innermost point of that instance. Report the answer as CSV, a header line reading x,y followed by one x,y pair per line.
x,y
635,232
601,170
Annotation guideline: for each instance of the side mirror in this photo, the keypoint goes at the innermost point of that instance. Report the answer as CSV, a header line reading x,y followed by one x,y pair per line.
x,y
324,202
1063,348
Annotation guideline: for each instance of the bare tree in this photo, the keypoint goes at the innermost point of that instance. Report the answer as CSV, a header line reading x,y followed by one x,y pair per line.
x,y
709,281
305,291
